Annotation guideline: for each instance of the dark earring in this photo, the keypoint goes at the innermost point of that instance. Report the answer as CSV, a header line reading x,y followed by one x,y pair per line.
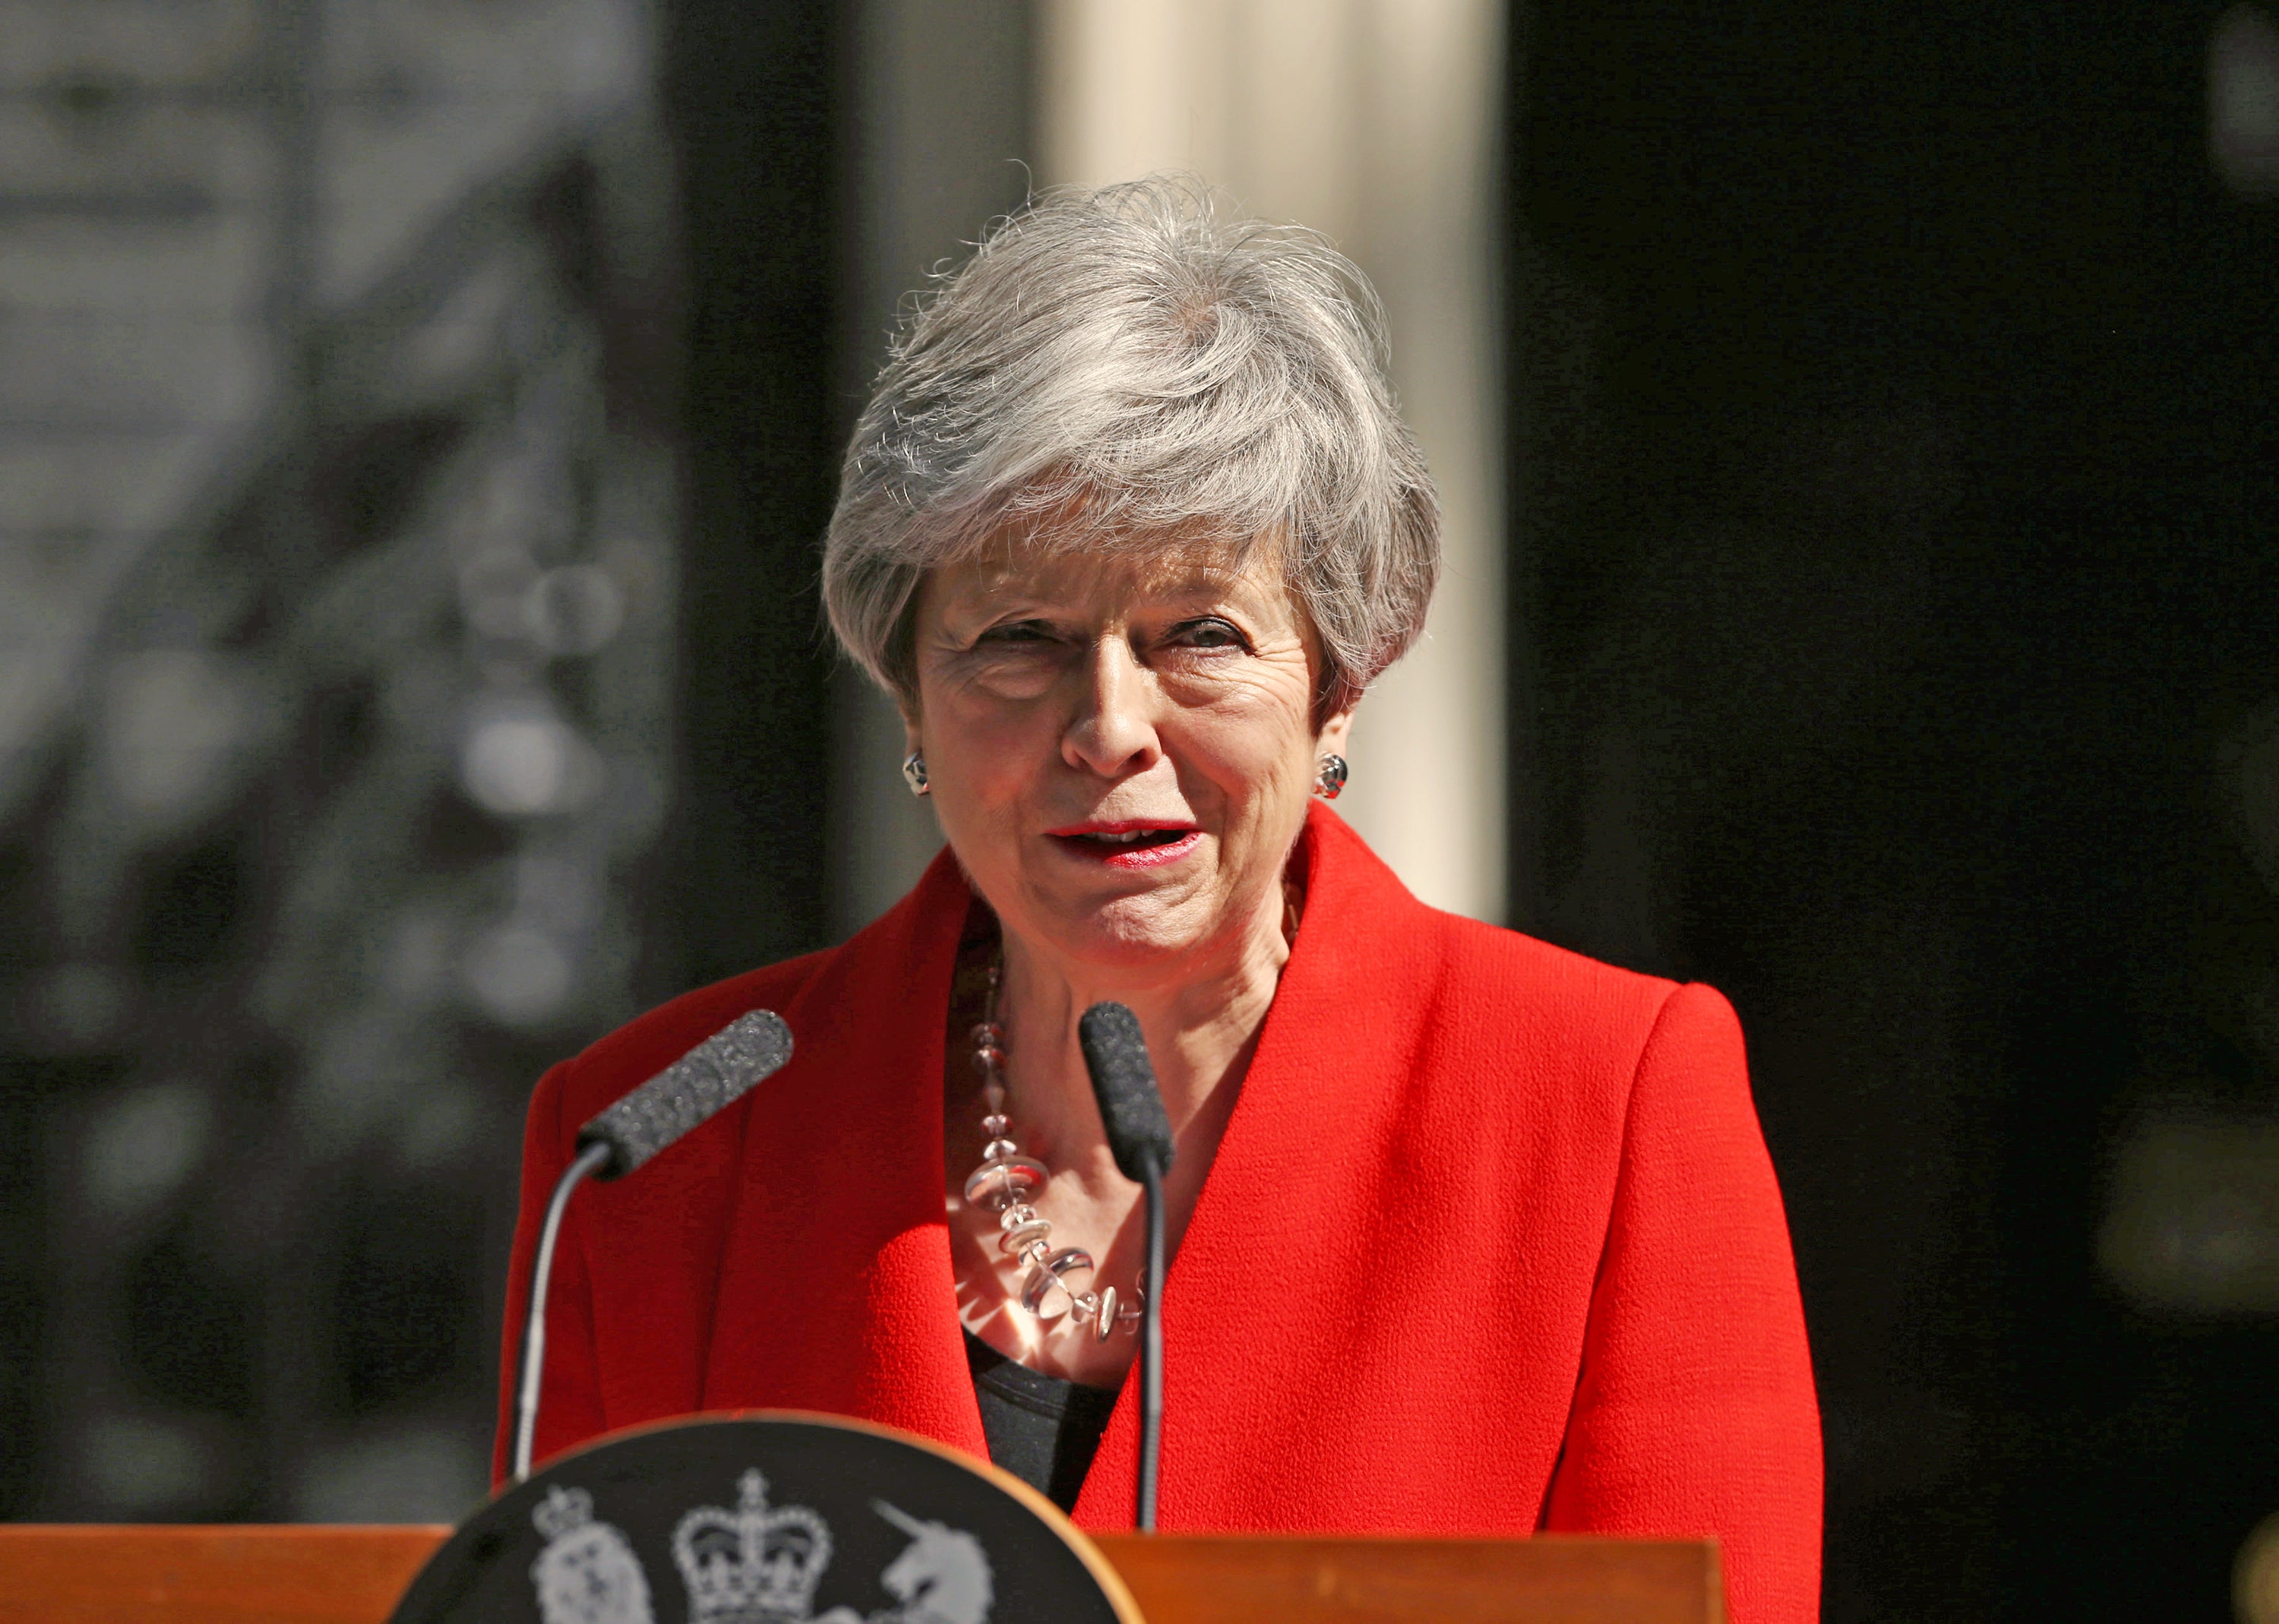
x,y
914,773
1330,777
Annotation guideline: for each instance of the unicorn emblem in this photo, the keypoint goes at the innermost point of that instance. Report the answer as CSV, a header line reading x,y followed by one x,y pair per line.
x,y
942,1577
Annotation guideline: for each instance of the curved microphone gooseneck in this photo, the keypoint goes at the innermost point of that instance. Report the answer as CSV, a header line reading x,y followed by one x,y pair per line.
x,y
1139,1138
590,1159
705,1081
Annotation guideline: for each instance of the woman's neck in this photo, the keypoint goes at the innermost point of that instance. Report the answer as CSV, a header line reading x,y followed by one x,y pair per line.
x,y
1200,1018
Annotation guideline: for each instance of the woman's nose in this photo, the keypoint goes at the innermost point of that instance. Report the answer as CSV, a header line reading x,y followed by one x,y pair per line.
x,y
1113,732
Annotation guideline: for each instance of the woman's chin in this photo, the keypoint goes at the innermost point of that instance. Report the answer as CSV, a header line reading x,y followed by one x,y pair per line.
x,y
1133,933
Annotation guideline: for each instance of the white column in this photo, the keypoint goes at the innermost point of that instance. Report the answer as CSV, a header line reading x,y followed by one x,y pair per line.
x,y
1378,122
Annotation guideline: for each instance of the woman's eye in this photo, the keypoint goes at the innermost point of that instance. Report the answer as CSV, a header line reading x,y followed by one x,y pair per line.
x,y
1018,632
1209,634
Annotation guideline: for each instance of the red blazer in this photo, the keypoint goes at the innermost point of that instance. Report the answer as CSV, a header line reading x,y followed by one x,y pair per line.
x,y
1491,1244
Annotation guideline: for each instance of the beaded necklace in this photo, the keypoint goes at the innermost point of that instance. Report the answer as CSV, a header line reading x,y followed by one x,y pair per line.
x,y
1004,1183
1006,1179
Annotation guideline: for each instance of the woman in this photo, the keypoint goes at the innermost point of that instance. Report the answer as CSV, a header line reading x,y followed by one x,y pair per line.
x,y
1469,1233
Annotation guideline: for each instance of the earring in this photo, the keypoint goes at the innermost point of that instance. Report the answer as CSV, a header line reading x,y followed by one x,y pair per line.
x,y
914,773
1330,777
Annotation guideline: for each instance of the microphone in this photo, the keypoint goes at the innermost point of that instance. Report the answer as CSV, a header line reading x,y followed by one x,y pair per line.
x,y
702,1082
1139,1138
709,1078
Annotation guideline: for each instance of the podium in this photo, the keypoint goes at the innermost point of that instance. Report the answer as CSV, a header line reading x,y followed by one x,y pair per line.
x,y
115,1574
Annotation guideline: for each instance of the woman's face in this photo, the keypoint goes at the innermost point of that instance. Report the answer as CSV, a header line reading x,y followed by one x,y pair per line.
x,y
1120,749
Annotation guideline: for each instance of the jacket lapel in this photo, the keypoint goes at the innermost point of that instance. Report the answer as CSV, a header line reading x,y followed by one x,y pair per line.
x,y
1278,1246
835,1290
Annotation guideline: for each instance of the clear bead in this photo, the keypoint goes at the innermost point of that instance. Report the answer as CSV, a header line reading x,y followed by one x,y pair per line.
x,y
1015,1178
987,1035
1016,1214
1021,1236
1000,1150
993,1097
996,1124
989,1060
1047,1286
1104,1323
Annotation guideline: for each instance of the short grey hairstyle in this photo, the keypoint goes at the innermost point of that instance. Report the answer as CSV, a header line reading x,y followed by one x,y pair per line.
x,y
1115,365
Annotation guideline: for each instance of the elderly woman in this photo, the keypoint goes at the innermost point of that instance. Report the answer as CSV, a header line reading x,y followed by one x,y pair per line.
x,y
1469,1235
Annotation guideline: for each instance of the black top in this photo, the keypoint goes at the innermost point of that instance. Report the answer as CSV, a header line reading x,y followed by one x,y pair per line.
x,y
1043,1429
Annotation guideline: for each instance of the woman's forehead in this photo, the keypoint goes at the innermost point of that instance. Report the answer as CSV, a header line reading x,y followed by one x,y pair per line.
x,y
1057,571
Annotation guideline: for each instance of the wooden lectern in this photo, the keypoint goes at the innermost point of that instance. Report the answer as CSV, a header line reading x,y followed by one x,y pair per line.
x,y
354,1576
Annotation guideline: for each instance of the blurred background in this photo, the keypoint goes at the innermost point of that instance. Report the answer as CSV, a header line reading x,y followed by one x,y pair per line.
x,y
1858,426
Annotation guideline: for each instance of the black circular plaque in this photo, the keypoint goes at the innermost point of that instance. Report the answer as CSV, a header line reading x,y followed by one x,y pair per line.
x,y
769,1518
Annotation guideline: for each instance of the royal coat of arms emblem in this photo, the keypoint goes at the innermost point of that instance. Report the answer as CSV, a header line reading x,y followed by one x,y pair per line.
x,y
757,1564
848,1523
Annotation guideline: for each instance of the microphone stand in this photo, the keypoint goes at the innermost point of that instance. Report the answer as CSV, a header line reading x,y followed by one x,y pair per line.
x,y
689,1093
1151,1349
593,1158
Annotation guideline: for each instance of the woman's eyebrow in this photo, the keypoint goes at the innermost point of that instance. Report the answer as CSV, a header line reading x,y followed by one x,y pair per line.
x,y
993,601
1197,588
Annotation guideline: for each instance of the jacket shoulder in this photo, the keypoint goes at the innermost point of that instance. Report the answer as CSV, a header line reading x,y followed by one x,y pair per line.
x,y
615,1065
1476,954
1475,972
1541,1017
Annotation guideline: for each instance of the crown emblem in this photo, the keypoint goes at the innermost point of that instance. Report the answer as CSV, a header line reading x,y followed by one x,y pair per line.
x,y
751,1565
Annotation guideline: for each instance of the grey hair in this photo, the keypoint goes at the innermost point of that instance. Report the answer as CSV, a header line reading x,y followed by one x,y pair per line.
x,y
1114,366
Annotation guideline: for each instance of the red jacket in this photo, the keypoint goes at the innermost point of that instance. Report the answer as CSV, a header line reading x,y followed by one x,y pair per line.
x,y
1491,1244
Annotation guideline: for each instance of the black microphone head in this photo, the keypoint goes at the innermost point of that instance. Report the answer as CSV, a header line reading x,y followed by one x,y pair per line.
x,y
1124,1081
708,1079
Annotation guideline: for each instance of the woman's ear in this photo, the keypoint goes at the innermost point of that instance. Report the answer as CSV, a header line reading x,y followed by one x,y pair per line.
x,y
1332,740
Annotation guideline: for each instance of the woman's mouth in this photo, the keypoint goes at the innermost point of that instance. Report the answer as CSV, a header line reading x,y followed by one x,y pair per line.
x,y
1131,845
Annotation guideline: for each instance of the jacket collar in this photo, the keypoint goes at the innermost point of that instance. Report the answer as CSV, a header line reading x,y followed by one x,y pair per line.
x,y
841,1298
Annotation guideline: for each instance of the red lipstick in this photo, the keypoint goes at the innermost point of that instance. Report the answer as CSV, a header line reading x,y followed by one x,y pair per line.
x,y
1129,842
